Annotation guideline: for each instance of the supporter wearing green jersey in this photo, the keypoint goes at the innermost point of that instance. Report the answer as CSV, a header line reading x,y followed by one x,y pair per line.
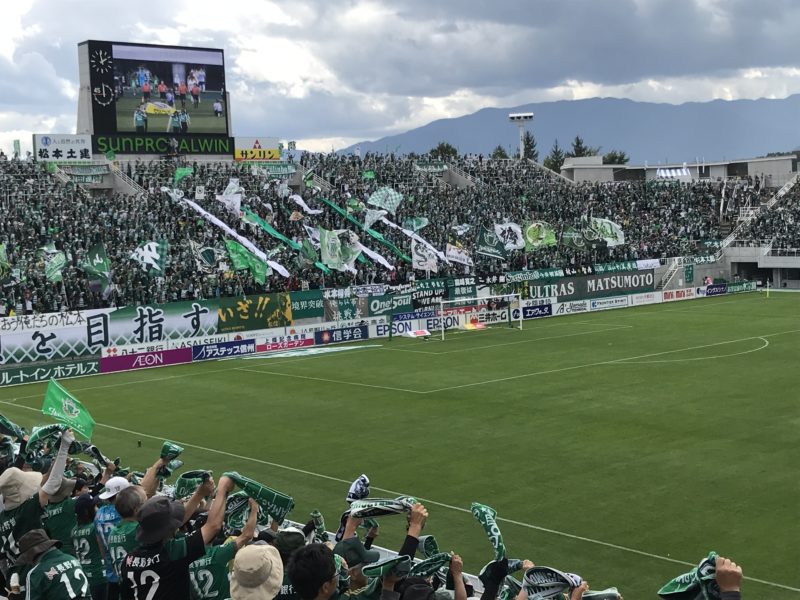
x,y
87,545
59,516
24,496
210,574
51,573
122,539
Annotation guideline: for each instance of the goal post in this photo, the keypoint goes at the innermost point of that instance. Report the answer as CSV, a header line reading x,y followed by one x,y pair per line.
x,y
480,312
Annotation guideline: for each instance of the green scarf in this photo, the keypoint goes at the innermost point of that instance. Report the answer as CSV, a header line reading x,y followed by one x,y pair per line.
x,y
276,504
698,584
428,546
170,450
11,429
381,507
431,565
486,517
398,564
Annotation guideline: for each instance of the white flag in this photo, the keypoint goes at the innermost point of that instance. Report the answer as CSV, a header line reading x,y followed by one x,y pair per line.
x,y
297,199
458,255
232,202
376,257
510,234
371,216
423,259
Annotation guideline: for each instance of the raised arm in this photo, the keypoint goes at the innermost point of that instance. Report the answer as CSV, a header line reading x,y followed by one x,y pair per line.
x,y
213,524
249,529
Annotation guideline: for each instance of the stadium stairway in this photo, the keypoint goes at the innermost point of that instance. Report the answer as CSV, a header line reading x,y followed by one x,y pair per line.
x,y
745,223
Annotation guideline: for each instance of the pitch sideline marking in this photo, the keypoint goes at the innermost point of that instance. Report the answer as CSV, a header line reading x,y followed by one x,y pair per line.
x,y
425,500
355,383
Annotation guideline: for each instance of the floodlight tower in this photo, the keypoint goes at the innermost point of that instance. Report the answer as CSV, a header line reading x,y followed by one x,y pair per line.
x,y
520,119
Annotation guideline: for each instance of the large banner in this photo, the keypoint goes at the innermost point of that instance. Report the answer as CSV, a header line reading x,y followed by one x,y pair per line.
x,y
262,311
60,147
307,305
595,286
428,293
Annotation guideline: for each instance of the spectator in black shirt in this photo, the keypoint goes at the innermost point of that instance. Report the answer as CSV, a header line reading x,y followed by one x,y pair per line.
x,y
159,568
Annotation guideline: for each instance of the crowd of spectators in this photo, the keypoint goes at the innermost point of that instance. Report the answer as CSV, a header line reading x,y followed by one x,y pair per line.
x,y
778,227
76,525
660,220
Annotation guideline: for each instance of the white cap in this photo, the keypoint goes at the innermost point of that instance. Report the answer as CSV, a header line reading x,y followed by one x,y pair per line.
x,y
114,486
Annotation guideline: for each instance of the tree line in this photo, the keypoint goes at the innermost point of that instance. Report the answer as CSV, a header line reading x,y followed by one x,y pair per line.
x,y
553,161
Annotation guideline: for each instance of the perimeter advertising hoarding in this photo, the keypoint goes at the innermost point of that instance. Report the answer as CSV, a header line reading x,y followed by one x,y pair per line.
x,y
256,149
595,286
152,91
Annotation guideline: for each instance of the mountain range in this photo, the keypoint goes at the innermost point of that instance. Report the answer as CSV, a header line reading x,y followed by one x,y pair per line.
x,y
654,132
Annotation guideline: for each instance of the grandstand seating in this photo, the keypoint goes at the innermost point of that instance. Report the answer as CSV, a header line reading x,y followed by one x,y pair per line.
x,y
659,220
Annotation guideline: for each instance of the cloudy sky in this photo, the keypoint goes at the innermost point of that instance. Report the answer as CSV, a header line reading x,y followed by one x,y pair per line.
x,y
329,73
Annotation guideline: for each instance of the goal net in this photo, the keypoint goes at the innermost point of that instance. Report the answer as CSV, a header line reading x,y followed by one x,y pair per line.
x,y
472,314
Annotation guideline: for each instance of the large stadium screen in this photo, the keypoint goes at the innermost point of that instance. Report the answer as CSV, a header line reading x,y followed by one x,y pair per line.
x,y
139,88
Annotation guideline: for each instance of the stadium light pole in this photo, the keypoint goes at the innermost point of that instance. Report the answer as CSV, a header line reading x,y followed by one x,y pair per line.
x,y
520,120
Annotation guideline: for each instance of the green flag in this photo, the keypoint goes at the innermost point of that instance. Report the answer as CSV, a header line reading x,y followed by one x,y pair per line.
x,y
98,268
538,234
368,175
603,229
275,504
152,257
242,259
66,409
486,517
111,155
53,265
572,238
415,223
386,198
5,264
182,172
330,249
489,244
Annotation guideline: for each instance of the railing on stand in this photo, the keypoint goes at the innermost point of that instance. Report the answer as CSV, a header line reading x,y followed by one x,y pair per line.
x,y
744,223
130,183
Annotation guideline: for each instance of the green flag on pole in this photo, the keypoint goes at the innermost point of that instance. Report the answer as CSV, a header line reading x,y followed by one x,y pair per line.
x,y
489,244
97,267
330,249
152,257
53,265
415,223
66,409
538,234
5,264
182,172
242,259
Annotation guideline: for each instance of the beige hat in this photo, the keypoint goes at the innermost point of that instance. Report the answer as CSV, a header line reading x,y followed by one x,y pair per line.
x,y
257,573
18,486
65,491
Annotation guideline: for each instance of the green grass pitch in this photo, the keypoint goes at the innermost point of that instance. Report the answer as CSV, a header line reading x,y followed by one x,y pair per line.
x,y
617,445
202,117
